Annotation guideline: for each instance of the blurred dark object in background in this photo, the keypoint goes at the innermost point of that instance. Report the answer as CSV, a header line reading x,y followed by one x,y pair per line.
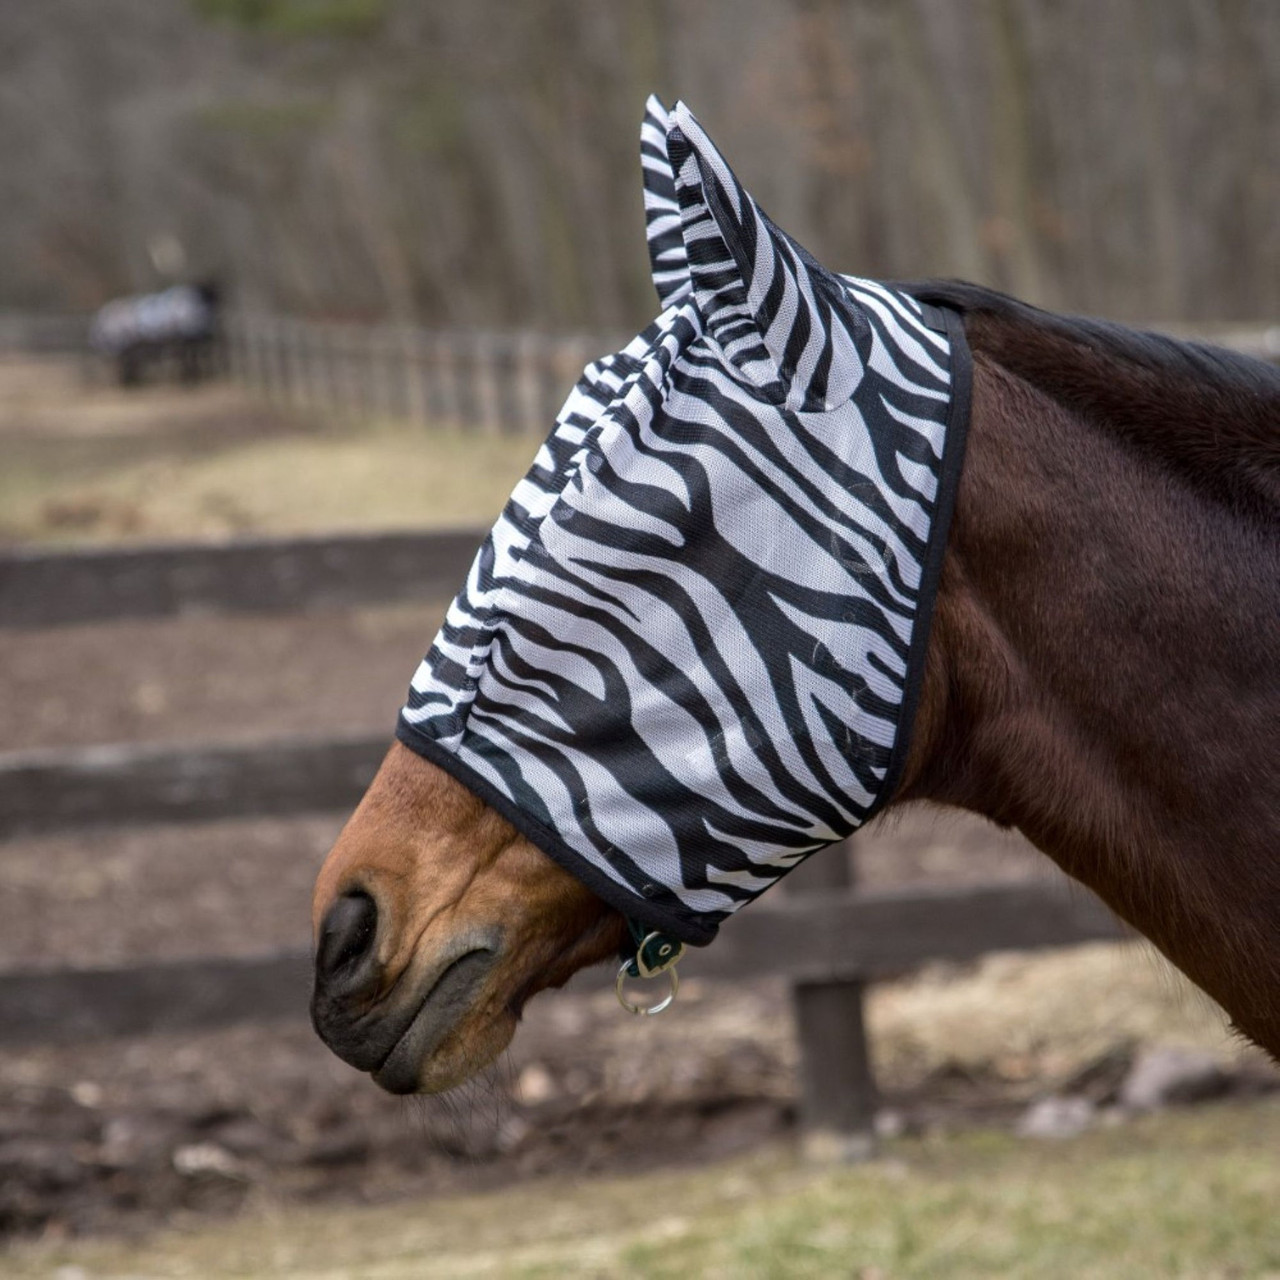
x,y
175,331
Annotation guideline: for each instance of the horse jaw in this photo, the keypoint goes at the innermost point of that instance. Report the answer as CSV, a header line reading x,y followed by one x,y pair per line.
x,y
468,920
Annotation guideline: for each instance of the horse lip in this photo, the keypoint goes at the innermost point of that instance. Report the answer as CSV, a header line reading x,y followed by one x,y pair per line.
x,y
444,1004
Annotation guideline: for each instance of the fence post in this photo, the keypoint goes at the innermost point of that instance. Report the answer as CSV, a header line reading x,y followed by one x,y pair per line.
x,y
502,358
451,370
412,347
528,384
232,338
363,350
352,367
295,372
311,367
486,378
272,362
329,371
837,1085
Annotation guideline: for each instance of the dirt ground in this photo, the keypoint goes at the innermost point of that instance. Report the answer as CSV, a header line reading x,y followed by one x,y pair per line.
x,y
1186,1194
122,1135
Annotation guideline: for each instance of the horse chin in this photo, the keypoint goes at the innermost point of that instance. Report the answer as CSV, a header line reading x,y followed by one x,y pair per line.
x,y
462,1056
459,1027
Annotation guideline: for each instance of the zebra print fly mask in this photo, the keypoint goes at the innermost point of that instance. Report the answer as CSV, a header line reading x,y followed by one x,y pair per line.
x,y
688,653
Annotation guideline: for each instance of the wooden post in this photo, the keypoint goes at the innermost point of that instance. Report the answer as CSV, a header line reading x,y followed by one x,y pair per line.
x,y
330,372
837,1086
506,393
528,384
256,353
352,372
381,372
273,365
434,392
233,341
255,373
412,348
451,372
484,348
396,373
366,346
312,374
284,361
295,380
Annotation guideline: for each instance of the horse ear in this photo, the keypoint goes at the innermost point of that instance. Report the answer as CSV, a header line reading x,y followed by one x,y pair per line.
x,y
667,258
785,321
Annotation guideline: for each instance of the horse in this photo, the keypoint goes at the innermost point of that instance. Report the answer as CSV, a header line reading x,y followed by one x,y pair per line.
x,y
1090,660
179,325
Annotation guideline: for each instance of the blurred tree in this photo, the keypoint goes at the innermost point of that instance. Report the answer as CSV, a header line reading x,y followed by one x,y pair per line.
x,y
475,164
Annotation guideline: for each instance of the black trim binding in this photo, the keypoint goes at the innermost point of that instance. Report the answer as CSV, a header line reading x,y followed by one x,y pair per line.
x,y
948,484
675,921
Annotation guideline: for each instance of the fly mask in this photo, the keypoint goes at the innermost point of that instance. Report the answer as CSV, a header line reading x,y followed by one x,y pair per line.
x,y
688,654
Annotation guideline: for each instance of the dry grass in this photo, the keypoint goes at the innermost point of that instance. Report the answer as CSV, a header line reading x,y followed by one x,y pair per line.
x,y
1041,1017
1185,1195
373,479
97,464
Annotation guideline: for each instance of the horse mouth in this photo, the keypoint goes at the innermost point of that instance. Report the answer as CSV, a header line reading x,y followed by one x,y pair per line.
x,y
446,1002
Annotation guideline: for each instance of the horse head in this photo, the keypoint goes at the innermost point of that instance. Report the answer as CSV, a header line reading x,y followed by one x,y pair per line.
x,y
686,656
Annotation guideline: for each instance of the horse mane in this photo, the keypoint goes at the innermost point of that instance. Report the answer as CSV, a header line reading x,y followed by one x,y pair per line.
x,y
1210,414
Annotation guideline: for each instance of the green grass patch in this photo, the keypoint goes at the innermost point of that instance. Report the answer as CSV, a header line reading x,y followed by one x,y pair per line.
x,y
1190,1194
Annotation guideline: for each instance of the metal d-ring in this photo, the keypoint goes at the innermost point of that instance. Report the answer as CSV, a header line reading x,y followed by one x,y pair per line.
x,y
655,954
643,1011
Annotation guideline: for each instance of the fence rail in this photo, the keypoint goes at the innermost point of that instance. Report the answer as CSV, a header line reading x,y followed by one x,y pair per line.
x,y
828,944
501,382
250,575
490,381
832,940
43,333
67,788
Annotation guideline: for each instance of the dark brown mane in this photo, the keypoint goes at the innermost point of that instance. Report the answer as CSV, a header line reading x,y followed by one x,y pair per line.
x,y
1210,414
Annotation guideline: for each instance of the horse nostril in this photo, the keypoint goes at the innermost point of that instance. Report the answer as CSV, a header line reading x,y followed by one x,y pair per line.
x,y
346,934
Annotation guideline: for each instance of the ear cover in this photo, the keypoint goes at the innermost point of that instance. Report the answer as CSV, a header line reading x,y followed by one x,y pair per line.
x,y
667,257
785,321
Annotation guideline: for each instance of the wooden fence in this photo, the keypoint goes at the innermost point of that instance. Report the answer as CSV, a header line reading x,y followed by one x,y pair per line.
x,y
481,380
827,938
501,382
43,333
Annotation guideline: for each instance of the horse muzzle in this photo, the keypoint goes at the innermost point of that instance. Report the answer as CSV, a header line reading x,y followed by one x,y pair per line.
x,y
392,1029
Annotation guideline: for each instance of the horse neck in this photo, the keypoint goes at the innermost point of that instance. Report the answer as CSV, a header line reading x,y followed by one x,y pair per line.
x,y
1101,676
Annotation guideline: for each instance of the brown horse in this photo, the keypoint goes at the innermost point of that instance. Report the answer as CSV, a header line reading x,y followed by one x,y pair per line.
x,y
1101,675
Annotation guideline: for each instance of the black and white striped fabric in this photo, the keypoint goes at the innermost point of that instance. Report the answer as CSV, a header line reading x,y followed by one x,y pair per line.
x,y
686,657
181,313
